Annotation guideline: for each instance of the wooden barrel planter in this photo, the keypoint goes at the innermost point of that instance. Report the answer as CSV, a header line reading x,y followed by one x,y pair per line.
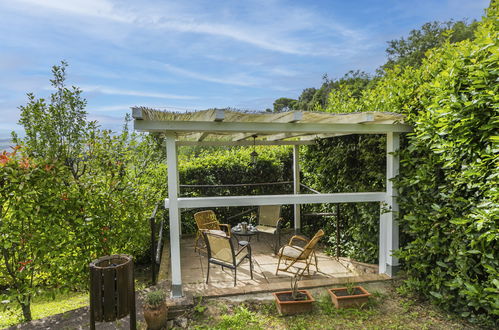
x,y
112,289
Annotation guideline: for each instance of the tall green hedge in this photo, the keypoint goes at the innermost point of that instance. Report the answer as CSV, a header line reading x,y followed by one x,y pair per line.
x,y
346,164
449,170
233,166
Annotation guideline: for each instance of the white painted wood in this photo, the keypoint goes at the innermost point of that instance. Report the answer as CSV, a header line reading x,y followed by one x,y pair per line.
x,y
173,207
197,202
137,113
243,143
266,128
389,229
296,186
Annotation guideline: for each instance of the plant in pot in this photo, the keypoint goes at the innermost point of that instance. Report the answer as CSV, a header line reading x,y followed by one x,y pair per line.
x,y
294,301
349,296
155,309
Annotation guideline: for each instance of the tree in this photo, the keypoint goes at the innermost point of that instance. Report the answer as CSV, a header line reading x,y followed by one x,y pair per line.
x,y
411,51
284,104
57,131
29,193
305,99
77,192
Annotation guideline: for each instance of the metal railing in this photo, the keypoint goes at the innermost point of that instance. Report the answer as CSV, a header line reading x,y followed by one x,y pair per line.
x,y
156,247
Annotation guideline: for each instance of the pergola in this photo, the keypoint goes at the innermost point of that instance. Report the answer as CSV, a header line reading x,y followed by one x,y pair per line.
x,y
232,128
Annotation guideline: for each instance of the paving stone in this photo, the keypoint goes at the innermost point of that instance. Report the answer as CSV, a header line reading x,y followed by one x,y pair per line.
x,y
221,282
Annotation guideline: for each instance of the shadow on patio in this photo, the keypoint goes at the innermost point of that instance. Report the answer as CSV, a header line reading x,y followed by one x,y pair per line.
x,y
221,282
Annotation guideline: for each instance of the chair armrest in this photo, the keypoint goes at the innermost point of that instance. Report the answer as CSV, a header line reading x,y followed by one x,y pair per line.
x,y
300,237
226,226
241,250
279,224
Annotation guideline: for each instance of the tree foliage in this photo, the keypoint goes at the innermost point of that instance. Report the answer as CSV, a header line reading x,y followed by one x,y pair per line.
x,y
284,104
448,195
412,51
69,194
233,165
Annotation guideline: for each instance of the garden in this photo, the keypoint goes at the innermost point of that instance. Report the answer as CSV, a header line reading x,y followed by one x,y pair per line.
x,y
71,192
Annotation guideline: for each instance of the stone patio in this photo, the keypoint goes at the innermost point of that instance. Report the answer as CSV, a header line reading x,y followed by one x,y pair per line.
x,y
221,282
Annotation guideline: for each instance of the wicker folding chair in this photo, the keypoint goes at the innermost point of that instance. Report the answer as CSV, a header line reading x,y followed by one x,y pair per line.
x,y
293,253
269,222
221,252
207,220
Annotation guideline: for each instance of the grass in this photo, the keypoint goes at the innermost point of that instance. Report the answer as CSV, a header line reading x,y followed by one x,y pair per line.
x,y
45,305
386,310
59,302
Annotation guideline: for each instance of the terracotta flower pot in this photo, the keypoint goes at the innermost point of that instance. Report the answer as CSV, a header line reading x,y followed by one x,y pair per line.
x,y
287,306
156,318
343,299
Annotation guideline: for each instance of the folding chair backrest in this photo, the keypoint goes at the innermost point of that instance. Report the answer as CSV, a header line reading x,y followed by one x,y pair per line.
x,y
219,247
206,220
307,249
268,215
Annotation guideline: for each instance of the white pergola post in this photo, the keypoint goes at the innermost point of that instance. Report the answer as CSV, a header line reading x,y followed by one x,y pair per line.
x,y
171,153
389,230
296,186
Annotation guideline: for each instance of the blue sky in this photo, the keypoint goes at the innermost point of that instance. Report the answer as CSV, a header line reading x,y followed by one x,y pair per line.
x,y
197,54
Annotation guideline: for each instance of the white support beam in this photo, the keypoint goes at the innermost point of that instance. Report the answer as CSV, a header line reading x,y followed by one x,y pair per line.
x,y
220,201
389,228
173,207
296,186
267,128
243,143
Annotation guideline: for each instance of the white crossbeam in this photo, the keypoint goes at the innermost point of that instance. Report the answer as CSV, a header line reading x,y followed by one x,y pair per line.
x,y
266,128
219,201
243,143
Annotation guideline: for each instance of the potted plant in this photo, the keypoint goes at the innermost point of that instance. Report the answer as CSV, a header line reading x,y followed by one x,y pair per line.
x,y
349,296
294,301
155,309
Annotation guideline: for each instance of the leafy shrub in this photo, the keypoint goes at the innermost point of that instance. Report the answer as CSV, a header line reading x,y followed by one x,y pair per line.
x,y
449,203
154,299
74,194
347,164
232,166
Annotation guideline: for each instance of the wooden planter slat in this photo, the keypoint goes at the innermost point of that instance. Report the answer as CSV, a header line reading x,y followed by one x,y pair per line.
x,y
109,294
122,294
96,293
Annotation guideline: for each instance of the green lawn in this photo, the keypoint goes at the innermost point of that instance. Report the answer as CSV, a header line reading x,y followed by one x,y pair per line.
x,y
386,310
43,306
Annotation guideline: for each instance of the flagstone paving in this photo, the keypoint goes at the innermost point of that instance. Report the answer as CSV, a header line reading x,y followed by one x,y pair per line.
x,y
221,282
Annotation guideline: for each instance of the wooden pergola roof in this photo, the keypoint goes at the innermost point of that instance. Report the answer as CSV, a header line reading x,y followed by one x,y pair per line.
x,y
234,126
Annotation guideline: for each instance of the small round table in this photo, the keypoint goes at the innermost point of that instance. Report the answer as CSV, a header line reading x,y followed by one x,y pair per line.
x,y
246,234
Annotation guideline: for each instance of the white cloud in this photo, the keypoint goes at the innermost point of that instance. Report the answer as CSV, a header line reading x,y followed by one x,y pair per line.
x,y
117,91
282,71
239,79
266,28
110,108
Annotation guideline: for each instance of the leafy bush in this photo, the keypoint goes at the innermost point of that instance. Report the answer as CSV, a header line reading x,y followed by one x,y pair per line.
x,y
232,166
449,203
74,194
347,164
154,299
